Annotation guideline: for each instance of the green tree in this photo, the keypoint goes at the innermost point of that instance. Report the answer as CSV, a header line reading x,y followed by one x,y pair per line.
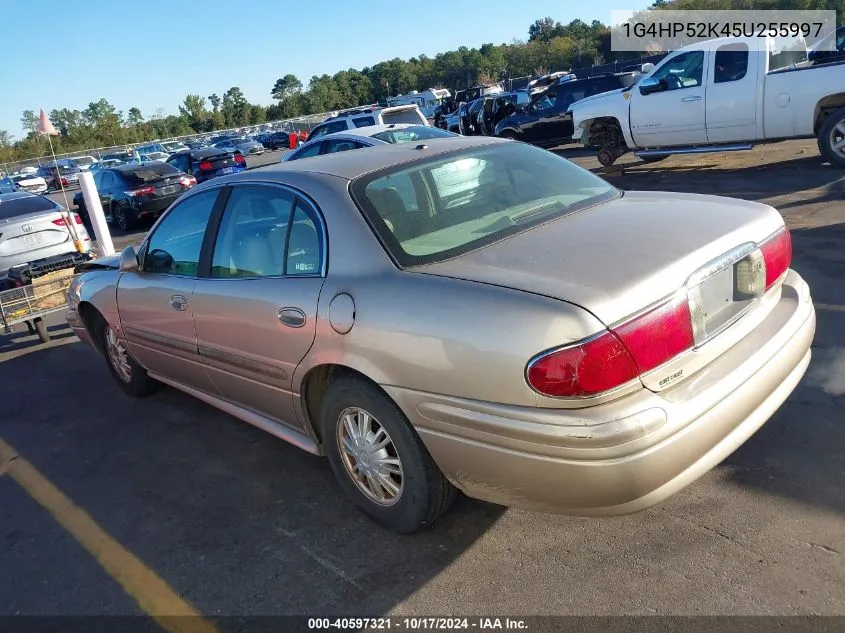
x,y
29,121
193,109
286,87
134,117
235,107
5,139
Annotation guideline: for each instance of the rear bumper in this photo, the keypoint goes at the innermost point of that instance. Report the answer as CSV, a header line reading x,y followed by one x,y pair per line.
x,y
630,453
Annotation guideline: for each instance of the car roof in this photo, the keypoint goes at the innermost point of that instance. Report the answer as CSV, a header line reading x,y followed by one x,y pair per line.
x,y
371,130
350,165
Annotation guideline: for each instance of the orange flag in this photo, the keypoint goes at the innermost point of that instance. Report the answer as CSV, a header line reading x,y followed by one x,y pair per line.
x,y
44,125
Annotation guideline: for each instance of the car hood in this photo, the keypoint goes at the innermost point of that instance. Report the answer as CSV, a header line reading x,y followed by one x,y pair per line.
x,y
618,257
611,94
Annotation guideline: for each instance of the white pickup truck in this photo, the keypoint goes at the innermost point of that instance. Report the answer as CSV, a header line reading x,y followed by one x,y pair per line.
x,y
719,95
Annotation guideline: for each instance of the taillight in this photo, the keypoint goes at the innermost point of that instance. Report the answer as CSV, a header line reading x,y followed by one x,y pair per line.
x,y
777,253
239,159
206,165
658,335
187,181
616,356
142,191
61,222
586,369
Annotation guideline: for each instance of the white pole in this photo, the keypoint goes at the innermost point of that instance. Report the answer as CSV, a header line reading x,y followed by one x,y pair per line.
x,y
95,213
74,234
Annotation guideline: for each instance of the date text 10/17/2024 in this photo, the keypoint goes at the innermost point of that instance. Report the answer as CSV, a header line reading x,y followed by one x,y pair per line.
x,y
418,624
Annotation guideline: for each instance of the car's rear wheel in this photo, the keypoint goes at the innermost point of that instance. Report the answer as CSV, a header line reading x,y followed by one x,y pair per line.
x,y
125,219
130,376
379,460
831,138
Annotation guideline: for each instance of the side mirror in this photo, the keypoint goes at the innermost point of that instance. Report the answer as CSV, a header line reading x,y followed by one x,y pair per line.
x,y
128,260
649,85
160,261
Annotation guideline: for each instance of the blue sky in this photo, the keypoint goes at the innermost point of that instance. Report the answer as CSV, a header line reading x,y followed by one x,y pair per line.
x,y
152,54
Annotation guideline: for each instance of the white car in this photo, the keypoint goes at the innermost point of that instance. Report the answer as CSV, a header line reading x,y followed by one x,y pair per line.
x,y
31,183
84,162
363,117
174,146
369,136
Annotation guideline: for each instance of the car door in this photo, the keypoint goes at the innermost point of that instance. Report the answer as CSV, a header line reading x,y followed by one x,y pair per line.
x,y
675,115
538,112
255,313
731,104
155,303
106,189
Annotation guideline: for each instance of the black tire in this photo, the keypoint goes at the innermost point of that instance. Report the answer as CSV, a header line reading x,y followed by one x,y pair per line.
x,y
828,134
125,218
41,330
139,384
30,328
653,159
508,134
425,493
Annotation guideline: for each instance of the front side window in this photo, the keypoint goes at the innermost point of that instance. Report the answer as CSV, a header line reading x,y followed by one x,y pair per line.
x,y
336,126
682,71
320,130
441,207
307,151
252,235
546,102
340,146
413,133
364,121
174,248
731,63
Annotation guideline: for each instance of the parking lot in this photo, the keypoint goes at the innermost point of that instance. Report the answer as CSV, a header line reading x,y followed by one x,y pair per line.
x,y
236,522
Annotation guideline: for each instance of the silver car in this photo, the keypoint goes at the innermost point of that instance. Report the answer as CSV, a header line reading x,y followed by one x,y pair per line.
x,y
244,146
32,227
471,313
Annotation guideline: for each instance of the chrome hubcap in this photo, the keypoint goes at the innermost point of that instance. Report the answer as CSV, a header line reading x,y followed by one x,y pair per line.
x,y
369,456
837,138
118,356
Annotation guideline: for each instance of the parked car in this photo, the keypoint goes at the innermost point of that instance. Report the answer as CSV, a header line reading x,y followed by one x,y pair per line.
x,y
84,162
720,95
818,55
276,140
64,174
132,192
240,145
480,314
152,156
495,108
370,136
171,147
363,117
123,156
106,163
151,148
32,227
204,164
31,183
545,120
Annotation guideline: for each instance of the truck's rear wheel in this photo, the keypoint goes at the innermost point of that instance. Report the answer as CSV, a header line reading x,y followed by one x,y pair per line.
x,y
607,136
832,138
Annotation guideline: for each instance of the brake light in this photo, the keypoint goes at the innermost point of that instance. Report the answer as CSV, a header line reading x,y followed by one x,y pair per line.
x,y
616,356
206,165
143,191
61,221
777,253
239,159
187,181
658,335
590,368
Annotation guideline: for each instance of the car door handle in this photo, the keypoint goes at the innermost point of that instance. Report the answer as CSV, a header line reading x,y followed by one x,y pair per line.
x,y
292,317
178,302
691,99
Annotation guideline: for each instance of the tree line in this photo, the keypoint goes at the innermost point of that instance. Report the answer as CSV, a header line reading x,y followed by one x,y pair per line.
x,y
550,46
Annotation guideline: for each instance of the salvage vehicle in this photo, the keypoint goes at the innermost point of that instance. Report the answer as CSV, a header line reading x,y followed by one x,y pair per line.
x,y
136,191
546,120
470,313
31,183
720,95
362,117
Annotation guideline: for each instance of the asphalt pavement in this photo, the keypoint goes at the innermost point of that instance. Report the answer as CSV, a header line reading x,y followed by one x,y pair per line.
x,y
236,522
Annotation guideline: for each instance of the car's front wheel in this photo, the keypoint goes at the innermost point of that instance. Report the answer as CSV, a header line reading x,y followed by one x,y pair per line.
x,y
378,458
831,138
130,376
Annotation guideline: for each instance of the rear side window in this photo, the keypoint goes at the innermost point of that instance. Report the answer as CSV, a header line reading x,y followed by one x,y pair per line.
x,y
336,126
731,63
364,121
17,206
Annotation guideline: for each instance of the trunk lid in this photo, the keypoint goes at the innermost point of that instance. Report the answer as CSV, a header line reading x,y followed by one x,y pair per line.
x,y
619,258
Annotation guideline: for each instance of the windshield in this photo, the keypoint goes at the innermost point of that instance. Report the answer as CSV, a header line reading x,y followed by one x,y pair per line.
x,y
409,134
442,207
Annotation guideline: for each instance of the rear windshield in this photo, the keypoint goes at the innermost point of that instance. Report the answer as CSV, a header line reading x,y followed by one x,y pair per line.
x,y
24,205
414,133
447,205
149,171
83,160
411,115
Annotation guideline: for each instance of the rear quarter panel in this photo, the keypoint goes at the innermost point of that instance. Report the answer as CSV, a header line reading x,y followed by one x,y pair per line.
x,y
790,98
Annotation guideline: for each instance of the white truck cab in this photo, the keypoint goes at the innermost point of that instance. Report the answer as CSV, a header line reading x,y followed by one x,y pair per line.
x,y
719,95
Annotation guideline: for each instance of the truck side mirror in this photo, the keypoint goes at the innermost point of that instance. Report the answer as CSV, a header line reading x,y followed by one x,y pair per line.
x,y
649,85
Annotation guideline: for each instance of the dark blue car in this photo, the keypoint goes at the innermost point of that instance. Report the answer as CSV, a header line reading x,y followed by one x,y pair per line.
x,y
204,164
